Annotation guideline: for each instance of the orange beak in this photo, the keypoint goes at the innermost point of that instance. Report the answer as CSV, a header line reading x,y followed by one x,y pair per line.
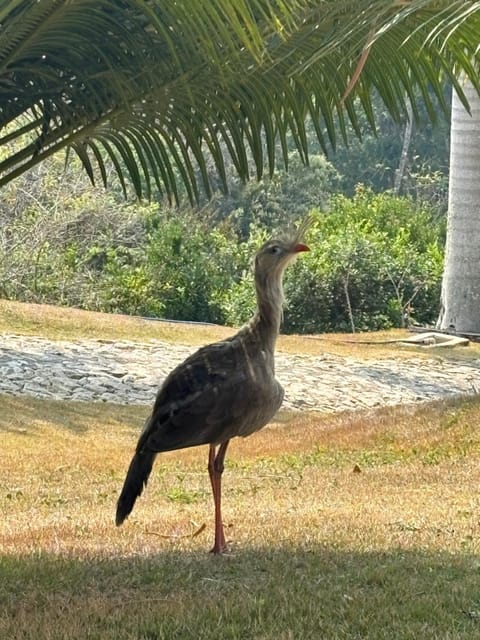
x,y
300,247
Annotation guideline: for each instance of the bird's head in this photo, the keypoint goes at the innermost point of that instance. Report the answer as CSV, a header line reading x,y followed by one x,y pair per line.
x,y
275,255
270,262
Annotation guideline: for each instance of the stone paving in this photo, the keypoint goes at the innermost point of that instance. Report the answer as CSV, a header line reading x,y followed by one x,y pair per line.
x,y
130,373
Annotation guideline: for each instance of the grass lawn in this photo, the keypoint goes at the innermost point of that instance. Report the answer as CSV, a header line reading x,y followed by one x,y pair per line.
x,y
63,323
350,526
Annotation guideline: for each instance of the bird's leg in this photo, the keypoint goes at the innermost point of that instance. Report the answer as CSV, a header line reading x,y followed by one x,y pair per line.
x,y
215,470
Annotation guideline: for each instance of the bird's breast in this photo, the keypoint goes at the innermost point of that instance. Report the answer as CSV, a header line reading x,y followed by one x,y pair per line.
x,y
259,405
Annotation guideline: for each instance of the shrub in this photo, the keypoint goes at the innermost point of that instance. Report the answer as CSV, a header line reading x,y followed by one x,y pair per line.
x,y
376,262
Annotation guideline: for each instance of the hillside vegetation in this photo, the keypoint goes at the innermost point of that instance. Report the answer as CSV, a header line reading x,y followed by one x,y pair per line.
x,y
377,238
375,261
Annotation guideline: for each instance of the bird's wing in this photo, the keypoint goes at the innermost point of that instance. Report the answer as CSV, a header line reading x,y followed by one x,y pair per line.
x,y
203,400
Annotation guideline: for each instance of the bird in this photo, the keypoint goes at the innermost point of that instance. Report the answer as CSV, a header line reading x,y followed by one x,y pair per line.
x,y
223,390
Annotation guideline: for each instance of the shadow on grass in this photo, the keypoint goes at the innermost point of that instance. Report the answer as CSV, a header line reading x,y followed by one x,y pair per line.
x,y
21,414
277,594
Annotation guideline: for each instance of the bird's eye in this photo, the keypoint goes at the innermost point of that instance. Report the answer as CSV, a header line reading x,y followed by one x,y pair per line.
x,y
275,249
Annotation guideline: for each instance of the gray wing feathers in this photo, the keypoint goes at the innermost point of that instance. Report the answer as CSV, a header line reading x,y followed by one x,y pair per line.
x,y
213,396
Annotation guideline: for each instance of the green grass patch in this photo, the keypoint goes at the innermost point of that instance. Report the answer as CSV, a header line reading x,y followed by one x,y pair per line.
x,y
282,593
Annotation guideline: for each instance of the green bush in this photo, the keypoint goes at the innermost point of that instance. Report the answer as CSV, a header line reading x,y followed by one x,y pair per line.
x,y
278,201
189,265
375,260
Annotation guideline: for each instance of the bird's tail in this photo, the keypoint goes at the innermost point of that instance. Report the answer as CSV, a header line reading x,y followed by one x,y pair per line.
x,y
137,477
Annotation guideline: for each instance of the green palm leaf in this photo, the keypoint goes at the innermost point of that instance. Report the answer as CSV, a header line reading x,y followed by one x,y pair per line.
x,y
166,89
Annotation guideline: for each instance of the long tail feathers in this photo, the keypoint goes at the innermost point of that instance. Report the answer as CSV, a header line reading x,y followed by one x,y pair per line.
x,y
137,477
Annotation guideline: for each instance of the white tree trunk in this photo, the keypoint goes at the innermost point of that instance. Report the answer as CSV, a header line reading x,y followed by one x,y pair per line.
x,y
460,302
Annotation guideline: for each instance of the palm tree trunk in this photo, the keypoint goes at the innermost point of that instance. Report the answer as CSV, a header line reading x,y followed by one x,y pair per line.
x,y
460,300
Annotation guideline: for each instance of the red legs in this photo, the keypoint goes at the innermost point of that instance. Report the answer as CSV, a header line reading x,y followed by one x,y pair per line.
x,y
215,470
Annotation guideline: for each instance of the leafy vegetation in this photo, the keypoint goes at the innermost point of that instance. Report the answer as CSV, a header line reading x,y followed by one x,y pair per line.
x,y
375,263
273,202
375,158
171,92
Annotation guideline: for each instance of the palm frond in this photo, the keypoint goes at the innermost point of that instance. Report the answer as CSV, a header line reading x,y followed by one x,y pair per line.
x,y
165,89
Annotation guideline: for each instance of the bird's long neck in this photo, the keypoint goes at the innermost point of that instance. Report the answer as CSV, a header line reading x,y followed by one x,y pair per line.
x,y
268,316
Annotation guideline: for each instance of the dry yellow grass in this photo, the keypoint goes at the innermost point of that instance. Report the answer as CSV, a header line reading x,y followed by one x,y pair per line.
x,y
63,323
63,465
348,526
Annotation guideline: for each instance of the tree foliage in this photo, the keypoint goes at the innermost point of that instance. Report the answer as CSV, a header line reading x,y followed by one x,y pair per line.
x,y
375,261
374,158
279,200
162,88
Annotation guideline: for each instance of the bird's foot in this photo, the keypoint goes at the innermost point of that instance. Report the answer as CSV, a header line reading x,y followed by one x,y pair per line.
x,y
220,549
